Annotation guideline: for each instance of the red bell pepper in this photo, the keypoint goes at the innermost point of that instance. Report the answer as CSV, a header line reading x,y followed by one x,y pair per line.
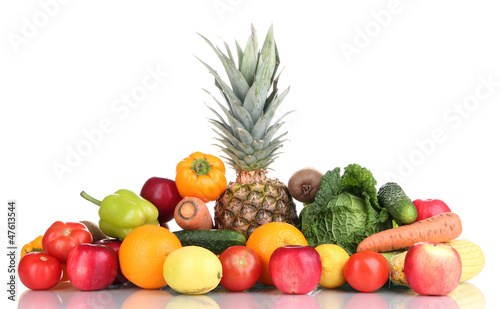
x,y
60,238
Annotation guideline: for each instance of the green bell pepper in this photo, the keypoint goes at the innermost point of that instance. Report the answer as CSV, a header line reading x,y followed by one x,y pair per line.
x,y
122,212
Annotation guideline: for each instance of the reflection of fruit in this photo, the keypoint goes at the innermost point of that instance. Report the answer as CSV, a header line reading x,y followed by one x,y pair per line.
x,y
333,259
192,301
270,236
143,253
33,299
303,301
441,302
332,299
240,300
402,297
102,299
92,267
192,270
360,301
468,296
295,269
147,299
432,268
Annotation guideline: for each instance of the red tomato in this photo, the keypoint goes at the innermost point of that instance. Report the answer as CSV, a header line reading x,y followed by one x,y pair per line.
x,y
61,237
241,268
39,271
366,271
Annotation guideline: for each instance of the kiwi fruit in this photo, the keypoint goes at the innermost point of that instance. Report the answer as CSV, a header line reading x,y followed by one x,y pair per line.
x,y
94,229
304,184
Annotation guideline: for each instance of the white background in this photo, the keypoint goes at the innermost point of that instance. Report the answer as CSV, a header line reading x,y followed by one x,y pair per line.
x,y
412,73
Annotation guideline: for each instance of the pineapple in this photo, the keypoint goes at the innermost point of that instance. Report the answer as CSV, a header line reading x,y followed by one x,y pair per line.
x,y
248,138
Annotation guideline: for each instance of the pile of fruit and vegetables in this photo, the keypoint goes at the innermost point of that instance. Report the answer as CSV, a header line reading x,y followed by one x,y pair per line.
x,y
348,232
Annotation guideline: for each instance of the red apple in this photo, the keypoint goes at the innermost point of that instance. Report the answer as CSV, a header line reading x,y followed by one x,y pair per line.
x,y
92,267
432,268
115,245
429,208
295,269
162,192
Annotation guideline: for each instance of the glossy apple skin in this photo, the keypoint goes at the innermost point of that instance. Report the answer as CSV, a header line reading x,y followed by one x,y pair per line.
x,y
163,193
433,268
429,208
92,267
115,245
295,269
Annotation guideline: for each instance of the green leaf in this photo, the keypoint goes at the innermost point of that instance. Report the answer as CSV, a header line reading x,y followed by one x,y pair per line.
x,y
228,49
232,98
250,57
267,60
226,131
257,143
238,82
246,148
255,99
357,179
240,56
273,106
244,135
270,133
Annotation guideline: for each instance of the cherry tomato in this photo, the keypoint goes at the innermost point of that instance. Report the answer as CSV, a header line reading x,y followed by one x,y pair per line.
x,y
366,271
39,271
61,237
241,268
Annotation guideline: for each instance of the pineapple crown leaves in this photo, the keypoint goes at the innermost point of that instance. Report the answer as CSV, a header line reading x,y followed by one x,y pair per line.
x,y
247,132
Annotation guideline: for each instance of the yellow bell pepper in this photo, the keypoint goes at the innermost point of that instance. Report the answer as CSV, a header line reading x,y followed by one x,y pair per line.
x,y
33,246
201,175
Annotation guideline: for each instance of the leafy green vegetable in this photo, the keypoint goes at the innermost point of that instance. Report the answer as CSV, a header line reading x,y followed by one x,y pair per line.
x,y
345,210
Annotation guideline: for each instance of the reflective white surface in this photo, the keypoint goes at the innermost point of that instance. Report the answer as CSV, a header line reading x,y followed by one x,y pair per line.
x,y
65,295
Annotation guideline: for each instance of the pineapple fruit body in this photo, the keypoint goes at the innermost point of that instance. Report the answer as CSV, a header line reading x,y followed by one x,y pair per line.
x,y
254,200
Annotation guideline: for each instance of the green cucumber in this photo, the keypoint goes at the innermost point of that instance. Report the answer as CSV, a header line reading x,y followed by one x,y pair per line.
x,y
214,240
398,204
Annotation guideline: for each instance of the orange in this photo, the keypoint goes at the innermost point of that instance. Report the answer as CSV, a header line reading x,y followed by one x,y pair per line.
x,y
267,238
143,252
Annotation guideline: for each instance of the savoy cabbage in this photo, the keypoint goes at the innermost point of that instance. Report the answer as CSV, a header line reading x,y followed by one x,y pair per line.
x,y
345,210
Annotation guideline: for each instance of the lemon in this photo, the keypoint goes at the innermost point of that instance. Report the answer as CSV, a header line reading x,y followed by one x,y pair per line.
x,y
333,259
192,270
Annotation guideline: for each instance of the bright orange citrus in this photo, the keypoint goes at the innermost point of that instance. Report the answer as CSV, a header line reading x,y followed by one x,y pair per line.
x,y
143,252
270,236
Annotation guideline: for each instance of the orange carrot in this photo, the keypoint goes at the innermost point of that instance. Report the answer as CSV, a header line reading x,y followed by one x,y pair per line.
x,y
443,227
192,214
